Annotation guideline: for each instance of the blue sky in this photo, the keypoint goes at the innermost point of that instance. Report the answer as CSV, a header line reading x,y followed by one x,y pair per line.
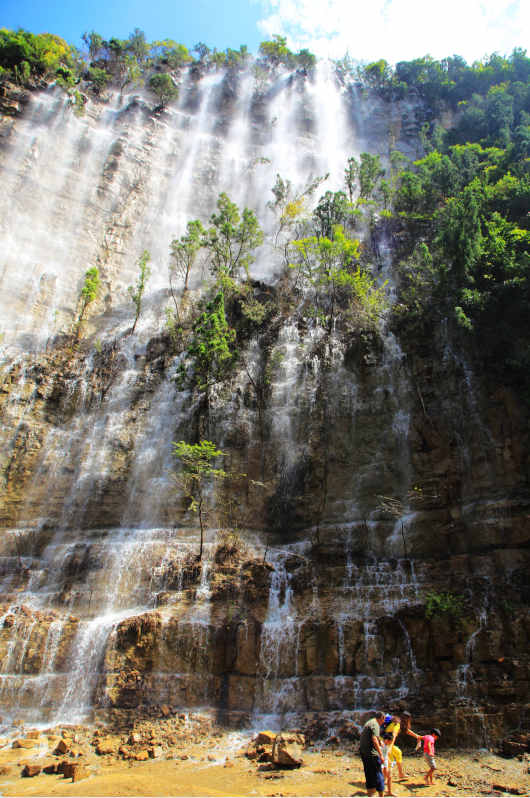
x,y
367,29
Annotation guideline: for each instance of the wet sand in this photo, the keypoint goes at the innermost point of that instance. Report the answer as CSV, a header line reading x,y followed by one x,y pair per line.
x,y
219,767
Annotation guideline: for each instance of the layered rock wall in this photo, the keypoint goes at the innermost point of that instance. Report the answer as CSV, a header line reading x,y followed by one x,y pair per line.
x,y
379,489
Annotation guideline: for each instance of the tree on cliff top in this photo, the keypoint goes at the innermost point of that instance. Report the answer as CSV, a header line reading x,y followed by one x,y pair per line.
x,y
163,87
197,476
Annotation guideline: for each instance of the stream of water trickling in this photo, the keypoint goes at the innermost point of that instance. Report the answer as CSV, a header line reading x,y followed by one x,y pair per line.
x,y
102,188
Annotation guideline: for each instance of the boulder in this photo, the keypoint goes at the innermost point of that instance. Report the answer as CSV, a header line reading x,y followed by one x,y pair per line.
x,y
31,770
513,748
62,748
141,756
22,743
265,738
287,750
79,772
106,746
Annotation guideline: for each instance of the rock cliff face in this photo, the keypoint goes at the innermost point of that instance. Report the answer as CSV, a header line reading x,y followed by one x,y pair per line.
x,y
380,497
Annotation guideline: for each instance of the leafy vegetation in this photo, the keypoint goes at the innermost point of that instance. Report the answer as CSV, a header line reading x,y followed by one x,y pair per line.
x,y
164,88
211,346
331,268
196,476
137,292
232,238
89,292
25,56
465,206
274,53
437,604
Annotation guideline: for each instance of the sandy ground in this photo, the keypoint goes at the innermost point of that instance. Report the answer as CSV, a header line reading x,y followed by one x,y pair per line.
x,y
218,767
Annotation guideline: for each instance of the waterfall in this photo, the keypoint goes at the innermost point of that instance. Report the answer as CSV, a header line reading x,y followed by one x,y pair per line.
x,y
111,541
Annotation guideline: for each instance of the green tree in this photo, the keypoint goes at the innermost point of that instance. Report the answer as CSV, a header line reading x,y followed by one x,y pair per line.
x,y
370,172
172,53
128,71
89,292
203,51
276,52
164,88
184,252
378,75
290,206
138,46
197,476
211,346
24,55
305,60
332,209
330,267
94,41
232,238
137,291
351,175
99,78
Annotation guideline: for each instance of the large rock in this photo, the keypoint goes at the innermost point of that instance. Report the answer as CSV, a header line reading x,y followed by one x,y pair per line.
x,y
287,750
28,771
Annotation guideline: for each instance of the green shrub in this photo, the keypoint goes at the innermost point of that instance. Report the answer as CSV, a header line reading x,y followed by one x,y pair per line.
x,y
443,604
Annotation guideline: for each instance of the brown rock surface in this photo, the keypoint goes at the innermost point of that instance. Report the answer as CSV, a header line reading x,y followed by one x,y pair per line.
x,y
29,771
287,750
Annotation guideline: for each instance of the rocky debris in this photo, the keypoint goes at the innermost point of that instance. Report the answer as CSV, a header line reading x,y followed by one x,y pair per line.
x,y
73,770
512,789
260,747
265,738
141,756
5,770
287,750
349,731
23,743
61,748
107,745
516,746
29,771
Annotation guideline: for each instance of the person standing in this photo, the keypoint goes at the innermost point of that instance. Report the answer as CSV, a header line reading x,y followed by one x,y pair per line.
x,y
372,755
394,727
428,741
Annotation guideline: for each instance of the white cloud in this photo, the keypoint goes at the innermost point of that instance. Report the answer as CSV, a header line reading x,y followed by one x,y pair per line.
x,y
399,29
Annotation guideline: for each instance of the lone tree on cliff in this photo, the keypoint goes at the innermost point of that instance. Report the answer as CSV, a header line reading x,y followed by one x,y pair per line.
x,y
164,88
136,292
89,292
197,475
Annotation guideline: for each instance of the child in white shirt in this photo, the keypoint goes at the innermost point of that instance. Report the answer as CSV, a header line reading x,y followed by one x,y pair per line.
x,y
386,747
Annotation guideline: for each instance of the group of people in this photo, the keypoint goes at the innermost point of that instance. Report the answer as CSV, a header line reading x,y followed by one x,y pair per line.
x,y
379,751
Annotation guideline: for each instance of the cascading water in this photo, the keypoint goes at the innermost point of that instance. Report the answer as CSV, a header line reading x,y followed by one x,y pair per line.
x,y
106,552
